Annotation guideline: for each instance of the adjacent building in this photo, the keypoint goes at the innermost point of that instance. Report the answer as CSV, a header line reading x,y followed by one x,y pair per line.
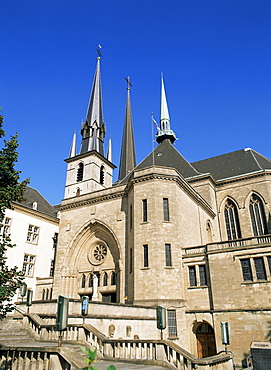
x,y
33,226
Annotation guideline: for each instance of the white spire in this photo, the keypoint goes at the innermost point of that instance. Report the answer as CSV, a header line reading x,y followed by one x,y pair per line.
x,y
109,150
165,132
73,146
164,119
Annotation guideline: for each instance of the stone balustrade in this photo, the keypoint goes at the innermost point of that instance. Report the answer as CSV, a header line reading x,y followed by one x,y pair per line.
x,y
159,352
229,244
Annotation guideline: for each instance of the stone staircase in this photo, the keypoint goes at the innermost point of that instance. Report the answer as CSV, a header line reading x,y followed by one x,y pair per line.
x,y
11,331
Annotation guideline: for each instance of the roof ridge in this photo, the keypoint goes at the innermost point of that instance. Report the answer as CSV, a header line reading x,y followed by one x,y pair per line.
x,y
261,155
256,159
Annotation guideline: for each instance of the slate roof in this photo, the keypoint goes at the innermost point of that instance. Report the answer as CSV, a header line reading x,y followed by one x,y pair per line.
x,y
31,195
165,155
240,162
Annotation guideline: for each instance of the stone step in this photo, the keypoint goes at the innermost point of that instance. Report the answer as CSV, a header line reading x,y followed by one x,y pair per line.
x,y
12,330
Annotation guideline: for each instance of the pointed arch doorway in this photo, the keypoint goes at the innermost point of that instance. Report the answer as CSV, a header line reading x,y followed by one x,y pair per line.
x,y
206,345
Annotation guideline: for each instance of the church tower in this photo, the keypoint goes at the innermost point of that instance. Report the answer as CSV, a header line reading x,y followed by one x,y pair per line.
x,y
90,170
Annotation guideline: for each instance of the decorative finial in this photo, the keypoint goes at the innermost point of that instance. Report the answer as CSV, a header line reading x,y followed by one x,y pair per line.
x,y
128,82
99,51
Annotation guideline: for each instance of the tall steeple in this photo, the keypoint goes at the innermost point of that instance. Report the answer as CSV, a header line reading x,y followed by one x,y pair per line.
x,y
128,157
165,132
93,129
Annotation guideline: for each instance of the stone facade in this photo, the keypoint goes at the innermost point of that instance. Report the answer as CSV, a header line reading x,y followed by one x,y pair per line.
x,y
194,238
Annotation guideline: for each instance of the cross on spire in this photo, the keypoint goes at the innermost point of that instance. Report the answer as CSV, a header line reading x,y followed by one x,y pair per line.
x,y
128,82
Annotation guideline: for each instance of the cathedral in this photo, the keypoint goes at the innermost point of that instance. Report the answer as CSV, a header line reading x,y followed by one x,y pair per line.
x,y
192,237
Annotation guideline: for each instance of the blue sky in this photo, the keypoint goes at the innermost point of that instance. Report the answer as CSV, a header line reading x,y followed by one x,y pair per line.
x,y
214,55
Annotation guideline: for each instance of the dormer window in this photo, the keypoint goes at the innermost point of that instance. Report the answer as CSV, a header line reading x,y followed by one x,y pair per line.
x,y
35,205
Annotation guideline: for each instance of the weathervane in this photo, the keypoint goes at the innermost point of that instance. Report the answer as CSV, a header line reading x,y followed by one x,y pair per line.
x,y
99,51
128,82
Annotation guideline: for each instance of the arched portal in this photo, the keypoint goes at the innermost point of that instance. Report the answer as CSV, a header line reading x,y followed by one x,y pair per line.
x,y
206,345
95,253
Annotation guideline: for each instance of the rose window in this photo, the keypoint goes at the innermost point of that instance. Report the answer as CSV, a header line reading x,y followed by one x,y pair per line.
x,y
99,253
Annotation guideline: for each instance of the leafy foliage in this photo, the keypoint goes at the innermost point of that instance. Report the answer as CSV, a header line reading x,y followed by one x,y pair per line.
x,y
11,190
91,356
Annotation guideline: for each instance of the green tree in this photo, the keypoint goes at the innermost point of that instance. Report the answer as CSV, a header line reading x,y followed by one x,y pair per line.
x,y
11,190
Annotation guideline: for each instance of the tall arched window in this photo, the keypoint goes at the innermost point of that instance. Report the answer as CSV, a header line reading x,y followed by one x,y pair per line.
x,y
113,278
83,282
105,280
80,172
102,175
232,220
257,215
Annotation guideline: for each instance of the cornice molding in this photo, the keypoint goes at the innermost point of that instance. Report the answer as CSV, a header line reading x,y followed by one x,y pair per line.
x,y
89,154
222,182
98,199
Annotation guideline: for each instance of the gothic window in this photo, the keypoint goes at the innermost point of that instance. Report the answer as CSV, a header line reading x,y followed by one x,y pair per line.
x,y
144,210
113,278
168,254
83,281
145,255
192,276
166,209
99,277
102,170
257,215
172,323
105,279
232,220
80,172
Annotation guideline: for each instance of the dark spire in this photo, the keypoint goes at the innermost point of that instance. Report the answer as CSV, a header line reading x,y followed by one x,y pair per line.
x,y
127,158
93,129
165,132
